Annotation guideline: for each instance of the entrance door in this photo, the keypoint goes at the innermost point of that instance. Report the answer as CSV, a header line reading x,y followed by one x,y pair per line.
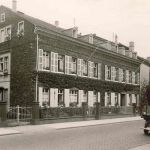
x,y
123,100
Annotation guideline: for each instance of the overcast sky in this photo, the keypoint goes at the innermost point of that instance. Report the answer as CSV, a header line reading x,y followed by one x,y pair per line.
x,y
130,19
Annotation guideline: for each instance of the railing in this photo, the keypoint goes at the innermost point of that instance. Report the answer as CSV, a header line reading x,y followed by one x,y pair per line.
x,y
20,114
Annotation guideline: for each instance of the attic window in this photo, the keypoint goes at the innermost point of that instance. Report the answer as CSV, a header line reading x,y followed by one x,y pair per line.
x,y
2,19
20,28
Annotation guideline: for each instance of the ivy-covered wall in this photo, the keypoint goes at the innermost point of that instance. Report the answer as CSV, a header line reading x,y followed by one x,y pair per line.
x,y
54,80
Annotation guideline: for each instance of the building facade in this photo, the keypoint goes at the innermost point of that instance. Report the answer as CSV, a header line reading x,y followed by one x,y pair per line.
x,y
55,66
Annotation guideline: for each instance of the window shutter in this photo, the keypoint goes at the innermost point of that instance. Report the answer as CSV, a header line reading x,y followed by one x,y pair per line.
x,y
55,97
120,75
99,70
56,62
80,97
105,98
79,67
52,100
138,78
90,98
106,72
119,100
90,69
40,61
70,65
112,99
40,98
66,64
99,97
113,73
127,76
66,97
52,61
133,77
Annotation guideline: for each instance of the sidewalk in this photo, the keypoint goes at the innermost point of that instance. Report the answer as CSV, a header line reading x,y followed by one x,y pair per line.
x,y
144,147
66,125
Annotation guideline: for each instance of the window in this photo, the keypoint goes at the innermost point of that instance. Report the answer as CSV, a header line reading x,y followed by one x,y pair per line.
x,y
116,99
45,97
61,60
136,78
108,72
2,17
21,28
73,65
124,75
95,96
130,99
1,64
60,97
73,95
108,98
127,76
3,94
116,74
85,96
8,33
2,35
133,77
85,68
95,69
46,63
5,63
130,76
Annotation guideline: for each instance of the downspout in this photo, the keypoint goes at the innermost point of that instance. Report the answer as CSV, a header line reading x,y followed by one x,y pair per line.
x,y
37,60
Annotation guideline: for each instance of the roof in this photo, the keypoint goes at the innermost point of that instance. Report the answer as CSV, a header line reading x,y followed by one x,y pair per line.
x,y
36,22
40,23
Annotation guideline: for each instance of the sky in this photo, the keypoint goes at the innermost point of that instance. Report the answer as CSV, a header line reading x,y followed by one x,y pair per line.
x,y
129,19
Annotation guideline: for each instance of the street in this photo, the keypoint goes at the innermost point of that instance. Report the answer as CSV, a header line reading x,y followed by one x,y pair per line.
x,y
117,136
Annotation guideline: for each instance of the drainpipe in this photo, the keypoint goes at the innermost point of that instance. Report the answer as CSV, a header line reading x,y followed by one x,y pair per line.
x,y
37,51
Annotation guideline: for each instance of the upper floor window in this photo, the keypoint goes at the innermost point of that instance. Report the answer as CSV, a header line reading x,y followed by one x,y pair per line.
x,y
85,68
107,72
20,28
73,65
46,63
2,19
61,61
130,76
4,65
95,69
2,35
116,74
124,75
8,33
136,78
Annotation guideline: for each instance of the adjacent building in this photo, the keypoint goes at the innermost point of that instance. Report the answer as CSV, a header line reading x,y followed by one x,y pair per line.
x,y
55,66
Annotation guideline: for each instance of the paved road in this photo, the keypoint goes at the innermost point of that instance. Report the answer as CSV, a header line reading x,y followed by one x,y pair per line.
x,y
120,136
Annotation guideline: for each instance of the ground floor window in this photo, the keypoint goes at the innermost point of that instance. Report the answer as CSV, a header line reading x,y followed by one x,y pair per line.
x,y
85,96
108,98
60,97
4,95
95,97
73,95
45,97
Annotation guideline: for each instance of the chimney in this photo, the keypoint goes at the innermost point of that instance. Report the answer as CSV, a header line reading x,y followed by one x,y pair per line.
x,y
57,23
131,46
14,5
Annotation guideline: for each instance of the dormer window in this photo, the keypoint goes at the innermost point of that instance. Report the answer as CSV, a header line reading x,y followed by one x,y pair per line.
x,y
20,28
2,19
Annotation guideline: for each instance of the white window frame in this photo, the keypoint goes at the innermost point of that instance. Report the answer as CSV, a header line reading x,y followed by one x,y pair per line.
x,y
2,38
107,72
20,32
73,96
3,18
8,36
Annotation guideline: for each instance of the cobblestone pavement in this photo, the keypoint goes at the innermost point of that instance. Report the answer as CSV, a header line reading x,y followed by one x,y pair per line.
x,y
119,136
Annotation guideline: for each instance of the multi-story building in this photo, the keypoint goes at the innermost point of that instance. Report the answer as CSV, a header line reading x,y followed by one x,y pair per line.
x,y
45,63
